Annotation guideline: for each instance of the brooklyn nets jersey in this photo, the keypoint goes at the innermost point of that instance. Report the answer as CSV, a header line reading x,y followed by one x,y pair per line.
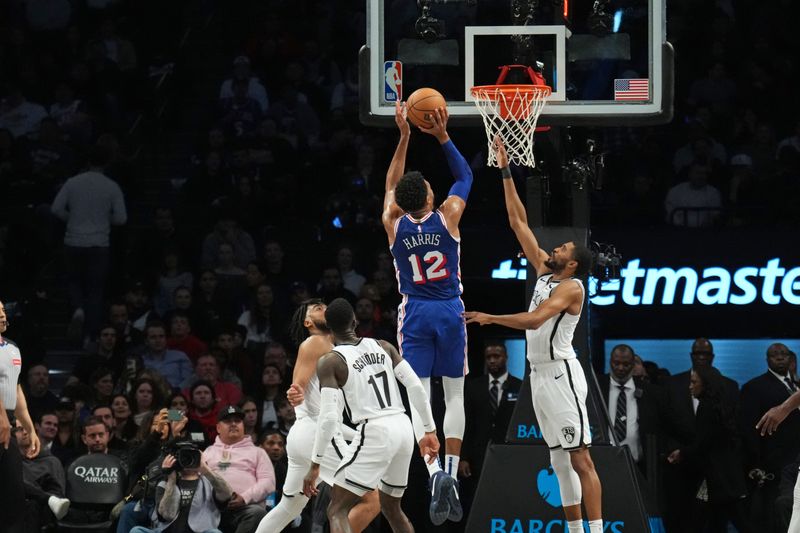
x,y
311,399
553,340
371,389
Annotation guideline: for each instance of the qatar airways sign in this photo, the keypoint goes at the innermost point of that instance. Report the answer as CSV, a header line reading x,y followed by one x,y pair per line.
x,y
645,284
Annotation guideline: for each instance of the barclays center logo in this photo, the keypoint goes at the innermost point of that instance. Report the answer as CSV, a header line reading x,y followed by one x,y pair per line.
x,y
547,485
548,489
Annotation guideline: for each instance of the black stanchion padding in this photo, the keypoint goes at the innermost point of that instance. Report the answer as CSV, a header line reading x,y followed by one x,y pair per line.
x,y
518,492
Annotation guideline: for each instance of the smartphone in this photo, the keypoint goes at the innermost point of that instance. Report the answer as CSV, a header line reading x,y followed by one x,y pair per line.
x,y
174,415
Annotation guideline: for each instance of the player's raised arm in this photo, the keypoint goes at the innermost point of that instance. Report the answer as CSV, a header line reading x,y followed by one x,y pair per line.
x,y
517,217
562,300
397,167
453,207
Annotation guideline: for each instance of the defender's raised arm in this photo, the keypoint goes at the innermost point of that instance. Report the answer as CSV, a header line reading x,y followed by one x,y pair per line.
x,y
517,217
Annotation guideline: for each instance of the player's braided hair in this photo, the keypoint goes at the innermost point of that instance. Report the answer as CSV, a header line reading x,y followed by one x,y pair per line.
x,y
411,192
339,315
297,329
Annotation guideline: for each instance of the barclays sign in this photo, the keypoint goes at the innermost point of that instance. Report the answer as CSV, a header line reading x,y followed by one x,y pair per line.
x,y
547,487
640,284
530,501
532,525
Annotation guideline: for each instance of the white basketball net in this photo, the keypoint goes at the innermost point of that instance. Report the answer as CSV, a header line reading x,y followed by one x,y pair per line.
x,y
511,114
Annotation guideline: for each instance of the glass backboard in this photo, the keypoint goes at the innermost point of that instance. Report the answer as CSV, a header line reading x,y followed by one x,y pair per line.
x,y
607,61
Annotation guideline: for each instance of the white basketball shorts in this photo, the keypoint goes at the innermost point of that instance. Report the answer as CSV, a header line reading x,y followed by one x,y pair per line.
x,y
300,446
558,391
378,456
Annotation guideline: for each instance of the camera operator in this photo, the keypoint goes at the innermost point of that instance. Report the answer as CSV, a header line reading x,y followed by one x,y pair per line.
x,y
145,463
189,501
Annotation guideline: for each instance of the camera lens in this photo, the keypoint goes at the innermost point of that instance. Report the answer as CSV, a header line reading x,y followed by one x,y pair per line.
x,y
189,458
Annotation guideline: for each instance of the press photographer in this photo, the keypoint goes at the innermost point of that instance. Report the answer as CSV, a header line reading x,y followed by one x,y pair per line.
x,y
192,496
145,466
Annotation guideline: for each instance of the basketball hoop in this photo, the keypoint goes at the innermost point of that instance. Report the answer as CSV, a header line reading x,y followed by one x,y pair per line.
x,y
511,111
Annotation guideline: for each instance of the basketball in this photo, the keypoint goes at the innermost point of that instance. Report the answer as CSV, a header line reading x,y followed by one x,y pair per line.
x,y
421,105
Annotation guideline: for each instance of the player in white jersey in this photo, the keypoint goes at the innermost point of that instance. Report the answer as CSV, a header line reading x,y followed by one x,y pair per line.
x,y
367,371
767,426
311,333
558,384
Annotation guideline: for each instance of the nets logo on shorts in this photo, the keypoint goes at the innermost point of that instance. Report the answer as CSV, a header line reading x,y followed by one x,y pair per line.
x,y
569,434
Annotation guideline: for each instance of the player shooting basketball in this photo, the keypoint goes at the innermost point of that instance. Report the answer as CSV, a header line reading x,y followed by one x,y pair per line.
x,y
558,385
431,332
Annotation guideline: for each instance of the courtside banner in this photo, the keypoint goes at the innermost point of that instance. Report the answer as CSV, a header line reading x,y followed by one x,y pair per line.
x,y
518,493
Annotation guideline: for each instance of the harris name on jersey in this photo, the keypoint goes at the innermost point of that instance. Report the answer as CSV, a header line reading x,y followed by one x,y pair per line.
x,y
412,241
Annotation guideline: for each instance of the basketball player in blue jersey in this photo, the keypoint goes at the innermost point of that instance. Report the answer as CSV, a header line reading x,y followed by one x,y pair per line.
x,y
431,332
558,384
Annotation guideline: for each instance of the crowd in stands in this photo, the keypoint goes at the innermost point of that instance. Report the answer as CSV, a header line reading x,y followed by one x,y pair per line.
x,y
189,309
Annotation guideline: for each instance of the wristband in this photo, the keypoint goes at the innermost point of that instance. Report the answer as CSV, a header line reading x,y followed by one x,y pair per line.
x,y
506,173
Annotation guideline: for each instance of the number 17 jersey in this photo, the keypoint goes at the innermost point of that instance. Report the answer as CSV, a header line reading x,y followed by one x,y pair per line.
x,y
371,389
427,257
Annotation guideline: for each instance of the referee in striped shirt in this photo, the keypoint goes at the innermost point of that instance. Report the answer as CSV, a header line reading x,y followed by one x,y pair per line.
x,y
12,406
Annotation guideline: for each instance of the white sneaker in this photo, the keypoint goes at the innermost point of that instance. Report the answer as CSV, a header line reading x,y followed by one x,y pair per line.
x,y
59,506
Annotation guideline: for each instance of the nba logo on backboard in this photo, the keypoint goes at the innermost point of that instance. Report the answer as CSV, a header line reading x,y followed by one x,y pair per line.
x,y
392,81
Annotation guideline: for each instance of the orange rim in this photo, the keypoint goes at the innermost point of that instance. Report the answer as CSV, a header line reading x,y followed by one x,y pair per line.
x,y
491,91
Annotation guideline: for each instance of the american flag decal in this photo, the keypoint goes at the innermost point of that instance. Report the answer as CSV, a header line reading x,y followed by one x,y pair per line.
x,y
632,90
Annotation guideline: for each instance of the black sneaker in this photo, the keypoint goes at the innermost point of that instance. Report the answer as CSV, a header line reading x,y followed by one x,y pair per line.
x,y
441,486
456,512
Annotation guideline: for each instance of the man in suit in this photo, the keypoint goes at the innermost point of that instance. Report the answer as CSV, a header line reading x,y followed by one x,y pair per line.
x,y
489,401
681,480
637,417
768,455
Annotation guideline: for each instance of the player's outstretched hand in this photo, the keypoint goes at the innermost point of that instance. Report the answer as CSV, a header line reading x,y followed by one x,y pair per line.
x,y
476,317
294,394
771,420
401,118
310,481
500,152
439,118
429,447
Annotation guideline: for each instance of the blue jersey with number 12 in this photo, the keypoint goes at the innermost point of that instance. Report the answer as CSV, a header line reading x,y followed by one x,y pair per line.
x,y
427,258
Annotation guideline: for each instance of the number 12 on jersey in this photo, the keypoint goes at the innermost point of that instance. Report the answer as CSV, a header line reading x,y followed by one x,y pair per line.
x,y
436,271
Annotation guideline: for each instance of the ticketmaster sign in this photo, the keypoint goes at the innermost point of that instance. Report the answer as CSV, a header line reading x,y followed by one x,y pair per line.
x,y
647,284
